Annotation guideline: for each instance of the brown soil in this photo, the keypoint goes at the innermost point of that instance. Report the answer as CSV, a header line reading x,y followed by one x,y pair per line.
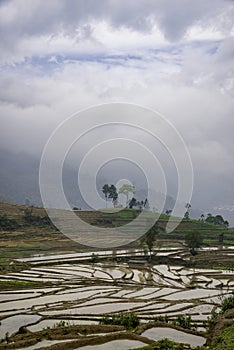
x,y
82,335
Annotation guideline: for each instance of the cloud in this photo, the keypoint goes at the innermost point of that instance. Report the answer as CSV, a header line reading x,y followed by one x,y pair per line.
x,y
30,28
179,16
172,56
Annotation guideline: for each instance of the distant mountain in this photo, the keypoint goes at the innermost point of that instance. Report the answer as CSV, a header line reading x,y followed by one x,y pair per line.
x,y
19,177
19,182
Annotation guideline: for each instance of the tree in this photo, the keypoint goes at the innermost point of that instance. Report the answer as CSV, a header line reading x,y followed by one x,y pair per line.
x,y
7,224
217,220
168,211
221,237
113,194
209,218
133,203
226,223
187,206
126,189
149,237
194,241
28,212
105,190
146,204
202,217
140,205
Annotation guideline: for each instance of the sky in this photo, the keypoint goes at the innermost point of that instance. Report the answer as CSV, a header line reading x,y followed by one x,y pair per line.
x,y
173,56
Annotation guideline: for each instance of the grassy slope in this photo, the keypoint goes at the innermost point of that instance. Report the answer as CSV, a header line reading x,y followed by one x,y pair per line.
x,y
33,238
210,232
30,239
225,341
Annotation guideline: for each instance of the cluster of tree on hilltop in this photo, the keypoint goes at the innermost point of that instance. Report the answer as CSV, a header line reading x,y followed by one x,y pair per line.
x,y
210,219
110,192
217,220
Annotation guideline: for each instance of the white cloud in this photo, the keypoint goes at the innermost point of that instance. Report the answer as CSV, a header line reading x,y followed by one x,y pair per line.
x,y
86,26
174,56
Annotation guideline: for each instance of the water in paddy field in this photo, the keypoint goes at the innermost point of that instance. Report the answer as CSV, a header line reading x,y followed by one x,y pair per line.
x,y
158,333
124,344
82,293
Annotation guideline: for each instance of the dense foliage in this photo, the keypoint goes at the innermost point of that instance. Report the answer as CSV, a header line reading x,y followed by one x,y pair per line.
x,y
183,321
227,303
36,220
225,340
217,220
193,240
128,320
7,224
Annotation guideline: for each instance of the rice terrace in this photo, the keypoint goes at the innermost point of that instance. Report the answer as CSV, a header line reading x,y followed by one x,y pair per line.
x,y
124,298
116,175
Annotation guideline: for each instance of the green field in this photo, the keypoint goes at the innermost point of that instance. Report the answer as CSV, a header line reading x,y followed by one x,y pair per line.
x,y
23,236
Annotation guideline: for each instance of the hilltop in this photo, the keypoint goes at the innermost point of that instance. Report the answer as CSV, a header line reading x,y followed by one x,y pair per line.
x,y
210,231
28,230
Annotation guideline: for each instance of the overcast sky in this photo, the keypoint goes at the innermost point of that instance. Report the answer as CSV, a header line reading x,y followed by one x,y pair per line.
x,y
175,56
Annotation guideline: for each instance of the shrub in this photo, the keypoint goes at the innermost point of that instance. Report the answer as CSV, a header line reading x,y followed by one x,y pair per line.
x,y
128,320
5,338
212,320
94,258
193,240
7,224
61,324
183,321
162,319
227,303
28,214
35,220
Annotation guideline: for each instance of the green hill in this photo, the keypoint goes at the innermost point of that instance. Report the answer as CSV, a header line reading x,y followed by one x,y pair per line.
x,y
209,231
25,231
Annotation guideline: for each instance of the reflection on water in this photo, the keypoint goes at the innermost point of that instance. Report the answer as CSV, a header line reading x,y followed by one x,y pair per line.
x,y
193,294
47,343
17,296
53,322
23,304
95,310
158,333
93,290
12,324
124,344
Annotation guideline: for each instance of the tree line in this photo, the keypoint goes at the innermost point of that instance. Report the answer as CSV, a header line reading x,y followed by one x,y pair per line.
x,y
110,192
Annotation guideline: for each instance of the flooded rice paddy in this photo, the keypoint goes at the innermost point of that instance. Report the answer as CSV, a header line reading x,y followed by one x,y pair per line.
x,y
82,293
115,345
158,333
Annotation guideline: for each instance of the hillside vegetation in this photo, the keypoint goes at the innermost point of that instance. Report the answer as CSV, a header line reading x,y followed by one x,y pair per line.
x,y
209,231
28,230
